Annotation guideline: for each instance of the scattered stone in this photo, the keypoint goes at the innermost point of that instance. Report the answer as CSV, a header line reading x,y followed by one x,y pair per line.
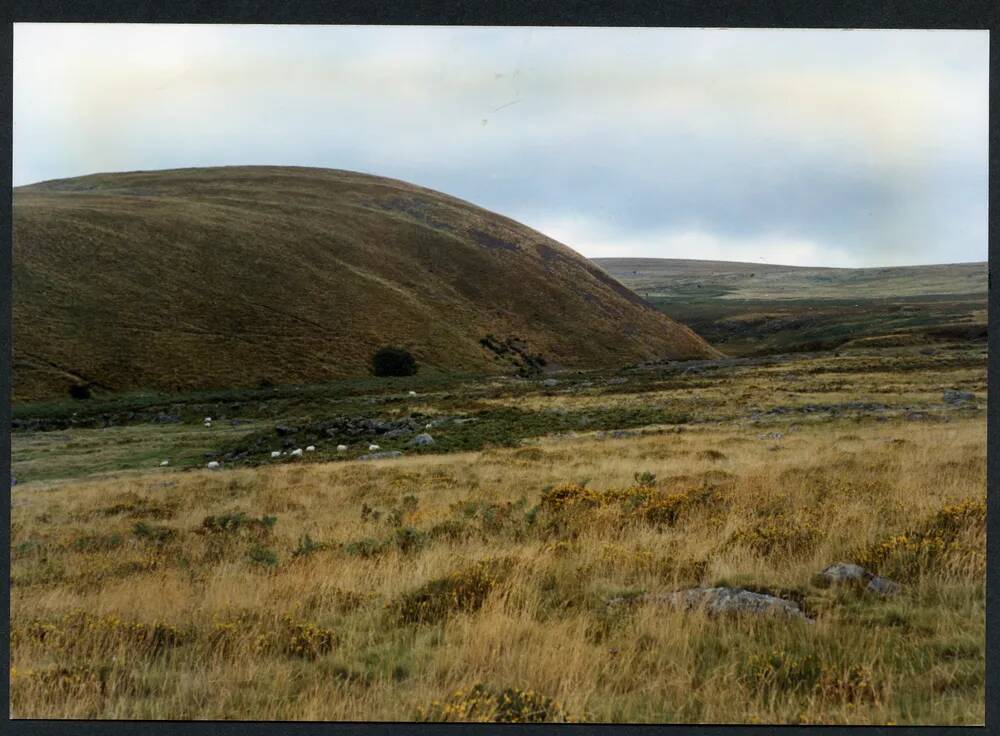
x,y
847,573
720,601
620,434
616,381
165,419
421,440
381,455
957,398
284,431
550,382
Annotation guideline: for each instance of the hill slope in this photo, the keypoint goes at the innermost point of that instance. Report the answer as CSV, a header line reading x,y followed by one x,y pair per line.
x,y
755,308
226,277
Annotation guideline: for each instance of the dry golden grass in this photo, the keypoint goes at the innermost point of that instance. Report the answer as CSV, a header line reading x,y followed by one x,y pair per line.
x,y
419,579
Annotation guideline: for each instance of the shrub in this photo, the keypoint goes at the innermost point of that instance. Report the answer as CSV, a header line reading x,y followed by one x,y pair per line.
x,y
153,532
263,556
79,391
950,538
393,361
778,535
307,546
462,591
485,704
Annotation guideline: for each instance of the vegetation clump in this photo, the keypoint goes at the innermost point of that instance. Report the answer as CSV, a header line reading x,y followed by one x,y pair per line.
x,y
462,591
485,704
952,537
391,360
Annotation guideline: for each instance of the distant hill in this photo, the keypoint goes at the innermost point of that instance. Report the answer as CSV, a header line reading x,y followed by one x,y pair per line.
x,y
754,308
229,277
732,280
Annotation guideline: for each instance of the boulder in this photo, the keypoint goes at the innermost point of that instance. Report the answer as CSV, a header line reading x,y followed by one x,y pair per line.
x,y
385,454
421,440
845,573
550,382
720,601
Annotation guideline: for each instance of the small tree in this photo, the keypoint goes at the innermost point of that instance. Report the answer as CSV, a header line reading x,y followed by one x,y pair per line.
x,y
79,391
393,361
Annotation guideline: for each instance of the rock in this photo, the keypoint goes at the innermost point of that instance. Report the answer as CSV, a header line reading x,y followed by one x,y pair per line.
x,y
772,436
284,431
620,434
928,351
616,381
398,432
550,382
957,398
847,573
381,455
165,419
421,440
721,601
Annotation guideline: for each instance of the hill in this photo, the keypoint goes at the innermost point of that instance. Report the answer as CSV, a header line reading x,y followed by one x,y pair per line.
x,y
754,308
228,277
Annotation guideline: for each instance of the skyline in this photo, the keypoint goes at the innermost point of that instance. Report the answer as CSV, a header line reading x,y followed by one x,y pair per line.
x,y
819,148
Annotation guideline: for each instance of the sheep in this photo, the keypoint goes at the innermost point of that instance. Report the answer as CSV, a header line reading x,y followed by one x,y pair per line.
x,y
341,448
275,453
311,448
208,419
213,465
297,452
413,393
373,448
165,462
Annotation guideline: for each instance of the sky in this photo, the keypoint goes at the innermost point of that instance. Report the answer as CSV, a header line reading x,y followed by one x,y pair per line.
x,y
819,148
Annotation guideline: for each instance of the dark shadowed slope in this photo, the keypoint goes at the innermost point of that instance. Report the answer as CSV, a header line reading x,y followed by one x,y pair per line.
x,y
226,277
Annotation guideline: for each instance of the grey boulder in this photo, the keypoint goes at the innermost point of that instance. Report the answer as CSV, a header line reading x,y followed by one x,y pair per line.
x,y
845,573
721,601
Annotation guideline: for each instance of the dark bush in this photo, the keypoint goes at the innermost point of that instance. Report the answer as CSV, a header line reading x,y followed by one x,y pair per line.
x,y
79,391
393,361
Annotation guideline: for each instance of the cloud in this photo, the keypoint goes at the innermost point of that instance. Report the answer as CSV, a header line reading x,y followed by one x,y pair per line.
x,y
866,147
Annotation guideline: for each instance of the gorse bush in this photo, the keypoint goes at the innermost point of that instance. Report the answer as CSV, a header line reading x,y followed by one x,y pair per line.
x,y
393,361
778,535
953,537
462,591
485,704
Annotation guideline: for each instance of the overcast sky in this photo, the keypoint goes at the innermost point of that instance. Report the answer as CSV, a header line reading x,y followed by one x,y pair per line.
x,y
830,148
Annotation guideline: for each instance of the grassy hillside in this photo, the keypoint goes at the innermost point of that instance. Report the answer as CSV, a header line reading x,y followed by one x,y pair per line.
x,y
229,277
752,308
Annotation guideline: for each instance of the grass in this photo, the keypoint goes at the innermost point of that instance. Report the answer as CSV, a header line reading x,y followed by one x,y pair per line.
x,y
468,581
